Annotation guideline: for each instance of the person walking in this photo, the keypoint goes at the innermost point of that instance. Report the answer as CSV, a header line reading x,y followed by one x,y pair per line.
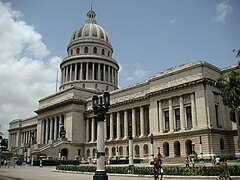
x,y
224,172
158,170
187,162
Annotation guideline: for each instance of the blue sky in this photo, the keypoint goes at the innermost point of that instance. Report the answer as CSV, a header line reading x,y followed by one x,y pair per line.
x,y
148,36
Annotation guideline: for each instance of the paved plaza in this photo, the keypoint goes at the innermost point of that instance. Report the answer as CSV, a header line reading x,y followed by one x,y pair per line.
x,y
48,173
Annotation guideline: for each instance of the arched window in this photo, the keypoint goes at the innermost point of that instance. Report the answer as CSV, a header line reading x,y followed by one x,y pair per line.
x,y
177,150
136,151
94,50
121,151
94,155
103,51
107,152
166,149
88,153
221,144
86,50
188,145
71,52
113,151
145,149
78,50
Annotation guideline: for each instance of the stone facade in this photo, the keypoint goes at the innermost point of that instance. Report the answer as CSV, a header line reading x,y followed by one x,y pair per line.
x,y
180,106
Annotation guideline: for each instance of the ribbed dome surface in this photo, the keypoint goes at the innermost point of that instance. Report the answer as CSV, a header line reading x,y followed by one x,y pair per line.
x,y
90,30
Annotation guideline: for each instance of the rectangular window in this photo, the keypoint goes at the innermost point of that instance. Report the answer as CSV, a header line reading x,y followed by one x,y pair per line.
x,y
217,118
177,119
166,117
189,117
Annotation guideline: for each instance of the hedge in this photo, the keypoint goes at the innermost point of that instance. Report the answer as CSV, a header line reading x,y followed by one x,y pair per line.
x,y
169,170
52,162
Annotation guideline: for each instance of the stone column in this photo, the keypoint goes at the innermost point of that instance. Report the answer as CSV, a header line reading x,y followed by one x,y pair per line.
x,y
75,76
125,125
71,72
93,129
104,72
109,78
87,130
160,117
51,129
182,118
194,119
87,68
142,121
133,123
42,132
171,121
47,127
111,126
93,69
99,75
67,73
56,127
80,71
118,125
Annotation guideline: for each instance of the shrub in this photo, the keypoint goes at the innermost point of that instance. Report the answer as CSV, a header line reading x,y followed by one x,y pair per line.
x,y
169,170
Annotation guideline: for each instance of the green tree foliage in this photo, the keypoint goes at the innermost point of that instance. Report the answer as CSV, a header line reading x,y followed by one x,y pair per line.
x,y
230,92
4,144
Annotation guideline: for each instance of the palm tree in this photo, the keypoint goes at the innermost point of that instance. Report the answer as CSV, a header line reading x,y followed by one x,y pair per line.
x,y
230,92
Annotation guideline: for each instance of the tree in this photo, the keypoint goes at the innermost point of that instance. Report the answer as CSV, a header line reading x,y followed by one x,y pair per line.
x,y
4,144
230,92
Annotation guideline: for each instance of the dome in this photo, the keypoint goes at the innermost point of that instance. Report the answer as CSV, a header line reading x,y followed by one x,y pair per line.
x,y
90,30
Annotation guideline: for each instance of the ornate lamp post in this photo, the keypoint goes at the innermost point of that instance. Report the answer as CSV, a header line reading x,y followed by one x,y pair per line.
x,y
100,106
201,150
152,149
130,145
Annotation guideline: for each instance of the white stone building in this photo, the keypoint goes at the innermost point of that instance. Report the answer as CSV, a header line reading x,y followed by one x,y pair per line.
x,y
180,106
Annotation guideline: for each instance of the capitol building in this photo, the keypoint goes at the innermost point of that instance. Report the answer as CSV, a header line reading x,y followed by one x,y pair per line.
x,y
180,106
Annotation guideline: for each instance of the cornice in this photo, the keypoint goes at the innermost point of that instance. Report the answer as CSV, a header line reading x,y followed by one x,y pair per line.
x,y
60,104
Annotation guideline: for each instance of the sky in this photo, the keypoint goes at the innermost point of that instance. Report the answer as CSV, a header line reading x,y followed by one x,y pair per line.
x,y
148,37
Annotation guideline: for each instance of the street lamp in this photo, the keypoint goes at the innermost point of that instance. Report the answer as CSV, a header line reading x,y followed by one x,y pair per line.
x,y
130,149
201,150
100,105
152,150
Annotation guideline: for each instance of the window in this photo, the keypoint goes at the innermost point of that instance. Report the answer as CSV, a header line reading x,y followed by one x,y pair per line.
x,y
86,50
78,50
94,50
216,113
71,52
177,119
221,144
103,51
189,117
166,117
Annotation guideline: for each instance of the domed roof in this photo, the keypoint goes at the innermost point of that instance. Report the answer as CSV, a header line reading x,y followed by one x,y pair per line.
x,y
90,30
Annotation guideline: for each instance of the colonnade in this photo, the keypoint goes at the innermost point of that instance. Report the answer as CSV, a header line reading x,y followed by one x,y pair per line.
x,y
116,126
50,128
89,71
180,116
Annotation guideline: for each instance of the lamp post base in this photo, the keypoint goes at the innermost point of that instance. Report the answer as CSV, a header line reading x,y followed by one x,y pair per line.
x,y
102,175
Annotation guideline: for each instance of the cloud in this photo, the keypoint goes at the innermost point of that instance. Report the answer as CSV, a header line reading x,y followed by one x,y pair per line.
x,y
223,9
137,75
26,72
172,22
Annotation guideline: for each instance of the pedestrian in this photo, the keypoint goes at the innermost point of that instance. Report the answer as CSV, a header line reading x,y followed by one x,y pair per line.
x,y
217,160
193,163
214,161
40,162
224,172
187,162
158,170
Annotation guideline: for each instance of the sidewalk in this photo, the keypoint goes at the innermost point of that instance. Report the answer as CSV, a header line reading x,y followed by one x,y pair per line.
x,y
49,173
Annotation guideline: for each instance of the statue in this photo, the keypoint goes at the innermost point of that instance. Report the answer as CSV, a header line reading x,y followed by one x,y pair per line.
x,y
62,132
33,138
